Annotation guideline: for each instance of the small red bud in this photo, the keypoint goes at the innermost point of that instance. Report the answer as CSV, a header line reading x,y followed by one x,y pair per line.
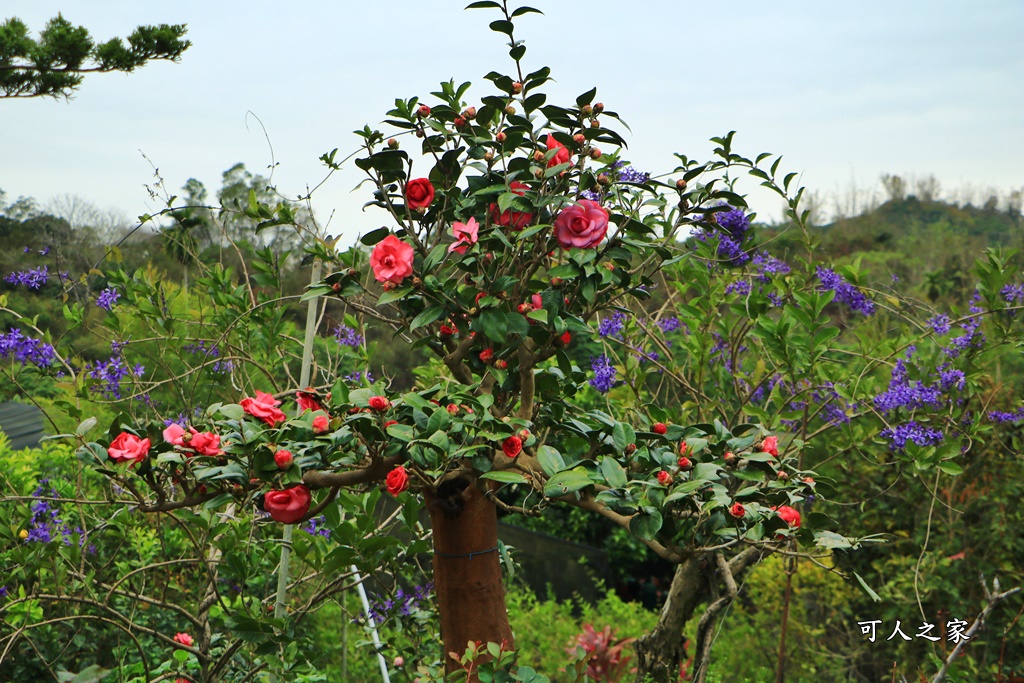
x,y
680,184
284,459
595,124
538,156
423,111
808,480
517,87
598,107
524,308
730,459
459,122
452,409
470,113
500,137
510,110
488,156
587,110
501,364
783,476
419,133
595,153
685,464
659,428
336,287
603,179
630,449
393,143
556,282
664,478
579,138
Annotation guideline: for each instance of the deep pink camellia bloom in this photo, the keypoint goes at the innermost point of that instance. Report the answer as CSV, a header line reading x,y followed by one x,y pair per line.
x,y
183,639
517,220
203,443
379,403
128,447
770,445
264,407
561,156
283,459
397,480
307,401
419,193
288,506
737,511
320,423
391,260
789,515
466,235
582,225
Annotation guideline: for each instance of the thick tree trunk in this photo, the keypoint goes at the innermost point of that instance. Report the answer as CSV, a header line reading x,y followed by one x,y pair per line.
x,y
467,568
660,652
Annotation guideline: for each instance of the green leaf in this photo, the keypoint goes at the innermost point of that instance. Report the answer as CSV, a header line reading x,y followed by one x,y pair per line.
x,y
564,483
550,460
623,435
867,588
586,98
371,238
427,316
393,295
502,26
505,476
525,10
484,4
613,472
684,490
645,525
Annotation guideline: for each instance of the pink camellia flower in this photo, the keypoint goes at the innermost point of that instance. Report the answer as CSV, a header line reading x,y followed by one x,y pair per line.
x,y
391,260
320,423
537,301
183,639
203,443
737,511
264,407
582,225
380,403
307,401
128,447
419,193
517,220
466,235
397,480
561,156
788,514
770,445
288,506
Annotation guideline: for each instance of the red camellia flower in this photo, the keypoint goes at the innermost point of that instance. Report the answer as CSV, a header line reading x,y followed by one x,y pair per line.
x,y
561,156
397,480
264,407
307,401
389,423
770,445
789,515
737,511
419,193
184,639
128,447
487,355
517,220
288,506
582,225
448,330
320,423
664,478
565,338
379,403
659,428
284,459
391,260
452,409
203,443
512,446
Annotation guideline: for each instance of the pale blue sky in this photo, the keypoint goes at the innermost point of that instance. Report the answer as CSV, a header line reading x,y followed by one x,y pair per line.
x,y
846,91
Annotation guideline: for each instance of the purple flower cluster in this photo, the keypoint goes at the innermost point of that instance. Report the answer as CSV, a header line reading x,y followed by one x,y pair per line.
x,y
591,195
347,336
612,325
1012,294
604,373
911,431
209,349
1000,416
939,324
403,604
768,266
33,279
845,292
107,298
971,338
314,528
25,349
834,410
740,287
359,376
736,225
628,174
902,394
670,324
46,524
112,372
181,421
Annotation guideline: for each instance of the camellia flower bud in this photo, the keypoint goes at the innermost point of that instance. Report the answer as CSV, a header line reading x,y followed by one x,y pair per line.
x,y
283,459
683,448
459,122
556,281
423,111
517,87
782,475
399,662
685,464
393,143
680,184
587,110
730,459
579,138
452,409
501,364
488,156
510,110
538,156
595,124
595,153
603,179
419,132
630,449
524,308
470,113
664,478
538,173
336,287
659,428
500,136
808,480
487,355
598,108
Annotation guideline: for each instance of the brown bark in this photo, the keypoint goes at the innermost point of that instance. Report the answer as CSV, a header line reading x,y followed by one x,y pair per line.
x,y
660,652
467,567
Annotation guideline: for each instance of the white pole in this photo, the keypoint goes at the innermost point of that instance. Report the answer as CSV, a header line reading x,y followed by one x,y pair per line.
x,y
373,626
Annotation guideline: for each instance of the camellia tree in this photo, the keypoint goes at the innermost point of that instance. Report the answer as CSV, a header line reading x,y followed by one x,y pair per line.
x,y
525,238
